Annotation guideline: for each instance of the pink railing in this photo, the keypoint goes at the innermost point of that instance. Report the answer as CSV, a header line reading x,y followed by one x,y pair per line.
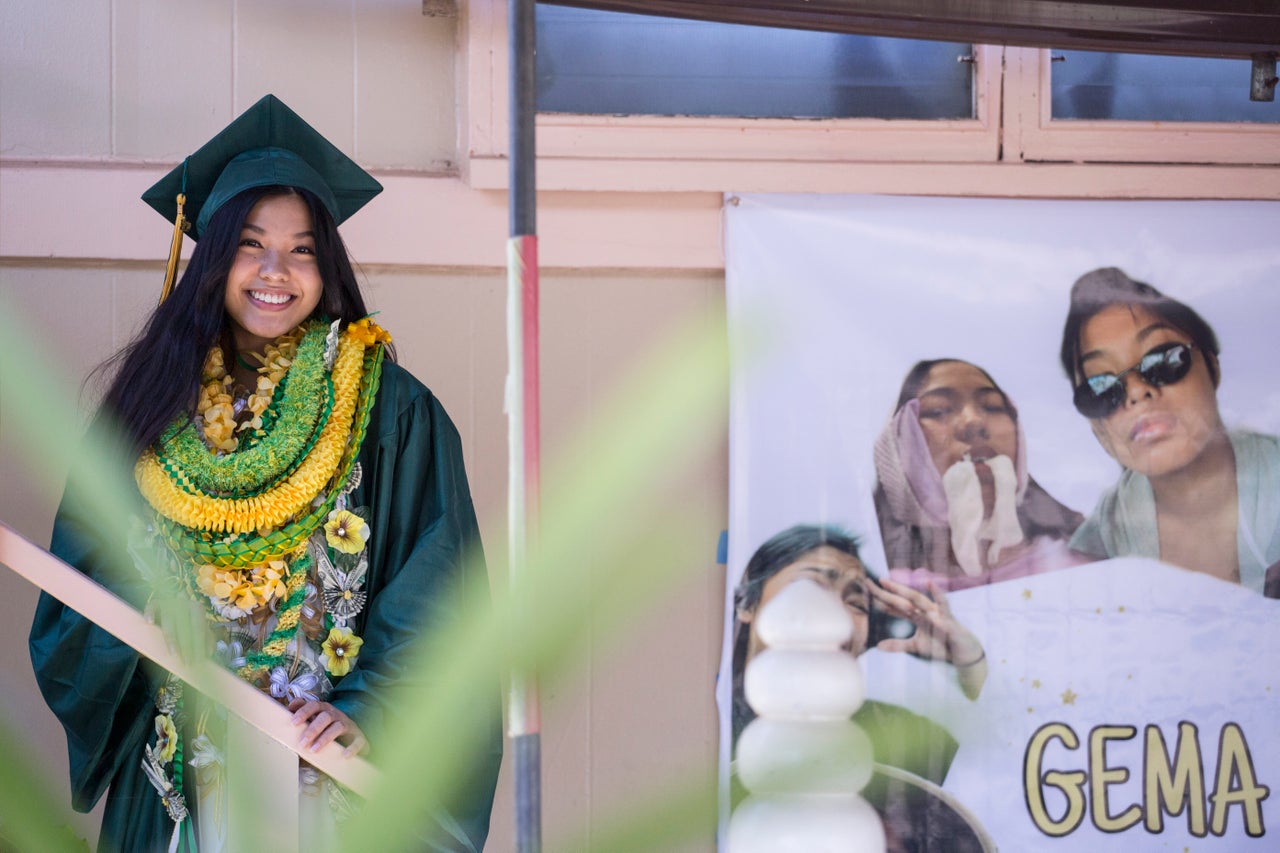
x,y
262,753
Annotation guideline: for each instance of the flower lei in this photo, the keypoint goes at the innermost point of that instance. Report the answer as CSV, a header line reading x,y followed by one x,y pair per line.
x,y
216,410
237,587
250,519
175,495
165,753
236,593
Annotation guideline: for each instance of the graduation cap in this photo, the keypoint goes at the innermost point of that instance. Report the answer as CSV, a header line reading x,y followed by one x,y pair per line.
x,y
268,145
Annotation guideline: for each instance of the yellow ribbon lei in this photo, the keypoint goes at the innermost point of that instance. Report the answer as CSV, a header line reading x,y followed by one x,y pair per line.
x,y
281,502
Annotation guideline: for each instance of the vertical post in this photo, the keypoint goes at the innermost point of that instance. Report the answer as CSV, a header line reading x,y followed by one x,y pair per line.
x,y
523,715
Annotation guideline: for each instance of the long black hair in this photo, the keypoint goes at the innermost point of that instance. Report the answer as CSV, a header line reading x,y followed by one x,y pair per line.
x,y
157,375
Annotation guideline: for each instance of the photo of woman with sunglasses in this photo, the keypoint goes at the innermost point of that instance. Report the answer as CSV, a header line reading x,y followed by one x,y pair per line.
x,y
1145,370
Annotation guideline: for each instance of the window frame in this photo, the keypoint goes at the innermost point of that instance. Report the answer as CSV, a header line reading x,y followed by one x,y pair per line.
x,y
1011,148
1038,137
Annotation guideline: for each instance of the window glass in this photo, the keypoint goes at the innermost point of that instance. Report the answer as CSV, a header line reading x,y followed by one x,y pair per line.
x,y
1137,87
611,63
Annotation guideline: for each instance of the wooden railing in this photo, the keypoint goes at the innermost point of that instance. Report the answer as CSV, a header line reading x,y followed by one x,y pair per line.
x,y
261,751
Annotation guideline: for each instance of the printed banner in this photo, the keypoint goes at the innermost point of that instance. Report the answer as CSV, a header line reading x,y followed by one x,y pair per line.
x,y
1032,447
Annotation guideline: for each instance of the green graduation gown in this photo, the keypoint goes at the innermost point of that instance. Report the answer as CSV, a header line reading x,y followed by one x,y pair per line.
x,y
423,528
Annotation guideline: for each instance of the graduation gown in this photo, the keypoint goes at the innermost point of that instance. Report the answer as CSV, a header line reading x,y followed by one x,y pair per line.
x,y
423,529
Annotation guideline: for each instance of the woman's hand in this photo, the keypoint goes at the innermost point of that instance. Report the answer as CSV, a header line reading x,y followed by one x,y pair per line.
x,y
324,724
938,635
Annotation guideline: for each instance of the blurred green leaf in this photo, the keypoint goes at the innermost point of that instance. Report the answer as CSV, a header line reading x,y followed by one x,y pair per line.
x,y
612,538
30,817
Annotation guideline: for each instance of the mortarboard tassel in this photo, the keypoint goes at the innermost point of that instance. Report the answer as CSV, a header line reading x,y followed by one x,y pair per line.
x,y
180,225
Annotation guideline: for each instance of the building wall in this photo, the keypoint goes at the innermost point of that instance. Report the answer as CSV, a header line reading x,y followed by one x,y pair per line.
x,y
144,79
100,97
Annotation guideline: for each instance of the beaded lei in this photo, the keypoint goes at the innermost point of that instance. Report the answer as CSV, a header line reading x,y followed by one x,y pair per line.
x,y
251,521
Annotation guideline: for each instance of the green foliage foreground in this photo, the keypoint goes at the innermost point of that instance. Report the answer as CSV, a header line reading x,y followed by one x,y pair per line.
x,y
611,541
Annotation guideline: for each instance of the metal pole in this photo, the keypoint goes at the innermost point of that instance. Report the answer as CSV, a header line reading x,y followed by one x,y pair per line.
x,y
523,714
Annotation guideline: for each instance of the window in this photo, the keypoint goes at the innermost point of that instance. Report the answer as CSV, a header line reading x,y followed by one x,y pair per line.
x,y
612,63
610,122
1125,108
1138,87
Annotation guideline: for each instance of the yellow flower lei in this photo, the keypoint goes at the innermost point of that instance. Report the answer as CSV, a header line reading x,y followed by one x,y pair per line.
x,y
238,592
216,408
281,502
276,359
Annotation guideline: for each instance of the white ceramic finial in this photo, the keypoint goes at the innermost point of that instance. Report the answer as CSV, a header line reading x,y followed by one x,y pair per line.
x,y
803,760
804,674
795,824
803,756
790,684
804,615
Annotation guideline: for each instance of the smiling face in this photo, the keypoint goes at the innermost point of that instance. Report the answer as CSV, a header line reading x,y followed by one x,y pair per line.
x,y
963,413
1157,430
274,283
832,569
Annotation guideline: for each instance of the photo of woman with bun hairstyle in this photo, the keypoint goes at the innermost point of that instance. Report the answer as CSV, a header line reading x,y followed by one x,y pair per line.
x,y
956,505
829,557
1145,371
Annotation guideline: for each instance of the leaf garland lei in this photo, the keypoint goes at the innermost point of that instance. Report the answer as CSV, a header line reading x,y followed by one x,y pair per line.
x,y
267,562
189,506
261,546
302,400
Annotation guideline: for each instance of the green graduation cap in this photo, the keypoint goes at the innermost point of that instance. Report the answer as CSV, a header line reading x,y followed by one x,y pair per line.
x,y
269,144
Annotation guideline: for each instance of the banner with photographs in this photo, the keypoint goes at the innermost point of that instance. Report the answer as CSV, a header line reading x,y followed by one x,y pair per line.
x,y
1032,447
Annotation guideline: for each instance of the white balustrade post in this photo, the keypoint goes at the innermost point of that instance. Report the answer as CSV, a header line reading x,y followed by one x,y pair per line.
x,y
802,759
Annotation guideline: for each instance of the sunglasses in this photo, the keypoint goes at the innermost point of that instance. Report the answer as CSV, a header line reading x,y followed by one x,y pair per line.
x,y
1099,396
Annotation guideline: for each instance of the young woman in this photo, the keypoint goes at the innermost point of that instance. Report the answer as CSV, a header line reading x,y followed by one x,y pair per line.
x,y
1145,372
297,486
954,500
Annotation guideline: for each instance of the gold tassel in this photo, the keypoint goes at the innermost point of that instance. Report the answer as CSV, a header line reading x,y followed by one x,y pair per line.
x,y
180,226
